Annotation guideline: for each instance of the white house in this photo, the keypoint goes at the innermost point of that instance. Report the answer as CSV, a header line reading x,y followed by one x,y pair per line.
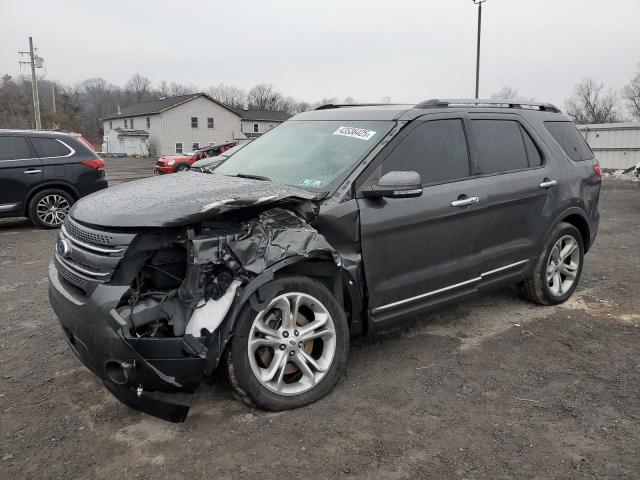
x,y
184,123
130,143
256,122
615,145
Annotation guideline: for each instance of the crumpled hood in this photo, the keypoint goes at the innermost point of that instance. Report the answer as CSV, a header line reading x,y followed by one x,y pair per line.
x,y
179,199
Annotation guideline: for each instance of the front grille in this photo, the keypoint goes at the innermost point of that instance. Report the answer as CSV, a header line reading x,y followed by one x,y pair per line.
x,y
86,235
88,257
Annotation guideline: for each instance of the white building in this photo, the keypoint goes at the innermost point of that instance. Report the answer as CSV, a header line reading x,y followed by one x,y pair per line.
x,y
181,124
615,145
130,143
257,122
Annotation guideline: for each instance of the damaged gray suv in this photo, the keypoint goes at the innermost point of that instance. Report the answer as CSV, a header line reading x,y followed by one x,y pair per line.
x,y
341,221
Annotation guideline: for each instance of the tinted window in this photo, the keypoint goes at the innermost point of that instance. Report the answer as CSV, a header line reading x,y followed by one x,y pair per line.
x,y
500,146
568,137
49,147
533,154
13,148
437,150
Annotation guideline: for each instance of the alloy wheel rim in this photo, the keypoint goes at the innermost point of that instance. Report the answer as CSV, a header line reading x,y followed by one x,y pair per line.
x,y
292,344
52,209
563,264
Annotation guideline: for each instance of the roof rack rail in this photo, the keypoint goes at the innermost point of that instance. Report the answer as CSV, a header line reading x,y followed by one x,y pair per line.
x,y
481,102
328,106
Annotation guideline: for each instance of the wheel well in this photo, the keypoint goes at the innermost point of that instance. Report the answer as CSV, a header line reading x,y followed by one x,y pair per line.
x,y
49,186
581,224
325,272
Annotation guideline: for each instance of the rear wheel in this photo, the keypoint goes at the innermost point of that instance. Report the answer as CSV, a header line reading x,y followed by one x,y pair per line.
x,y
292,352
558,268
49,208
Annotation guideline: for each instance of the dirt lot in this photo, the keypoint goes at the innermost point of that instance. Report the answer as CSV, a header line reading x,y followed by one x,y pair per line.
x,y
492,388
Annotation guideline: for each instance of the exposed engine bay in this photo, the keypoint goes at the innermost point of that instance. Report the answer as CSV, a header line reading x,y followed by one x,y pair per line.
x,y
189,286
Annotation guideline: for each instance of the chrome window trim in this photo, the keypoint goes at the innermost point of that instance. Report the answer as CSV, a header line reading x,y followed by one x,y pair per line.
x,y
70,154
450,287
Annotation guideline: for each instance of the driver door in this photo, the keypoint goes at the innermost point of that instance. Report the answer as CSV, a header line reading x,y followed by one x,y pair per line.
x,y
424,250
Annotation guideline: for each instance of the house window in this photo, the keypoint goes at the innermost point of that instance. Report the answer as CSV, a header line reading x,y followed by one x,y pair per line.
x,y
110,125
195,146
194,122
178,147
132,123
126,124
255,128
210,122
148,122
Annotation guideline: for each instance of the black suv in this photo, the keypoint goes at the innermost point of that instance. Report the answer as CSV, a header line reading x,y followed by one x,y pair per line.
x,y
42,173
341,221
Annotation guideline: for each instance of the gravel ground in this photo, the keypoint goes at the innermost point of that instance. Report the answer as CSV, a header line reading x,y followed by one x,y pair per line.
x,y
494,388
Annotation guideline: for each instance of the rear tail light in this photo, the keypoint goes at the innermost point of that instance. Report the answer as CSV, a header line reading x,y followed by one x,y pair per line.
x,y
97,164
597,170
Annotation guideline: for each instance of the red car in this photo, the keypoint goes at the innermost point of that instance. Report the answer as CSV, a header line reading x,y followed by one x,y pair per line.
x,y
183,162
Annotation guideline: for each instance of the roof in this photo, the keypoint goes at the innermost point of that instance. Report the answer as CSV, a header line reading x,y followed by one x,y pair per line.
x,y
131,133
611,126
409,112
157,106
263,115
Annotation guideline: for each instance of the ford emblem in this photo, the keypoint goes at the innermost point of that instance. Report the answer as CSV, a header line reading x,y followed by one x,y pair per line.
x,y
63,247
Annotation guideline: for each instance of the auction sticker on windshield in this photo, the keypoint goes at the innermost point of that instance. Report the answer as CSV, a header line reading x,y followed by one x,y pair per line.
x,y
354,132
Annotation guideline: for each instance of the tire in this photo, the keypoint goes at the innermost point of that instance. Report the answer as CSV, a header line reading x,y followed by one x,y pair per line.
x,y
49,208
183,167
556,289
291,386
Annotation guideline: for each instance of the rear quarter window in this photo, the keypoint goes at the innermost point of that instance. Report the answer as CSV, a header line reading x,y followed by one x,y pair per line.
x,y
501,147
49,147
570,140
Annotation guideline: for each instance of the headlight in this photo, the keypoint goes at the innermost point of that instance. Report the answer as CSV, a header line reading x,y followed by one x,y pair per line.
x,y
171,162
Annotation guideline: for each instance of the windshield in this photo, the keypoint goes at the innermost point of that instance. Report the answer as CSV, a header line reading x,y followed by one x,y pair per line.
x,y
307,154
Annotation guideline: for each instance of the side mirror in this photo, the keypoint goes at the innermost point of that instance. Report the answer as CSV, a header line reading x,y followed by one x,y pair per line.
x,y
396,185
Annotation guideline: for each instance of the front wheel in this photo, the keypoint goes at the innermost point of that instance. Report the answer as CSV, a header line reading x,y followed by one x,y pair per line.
x,y
292,352
183,167
558,268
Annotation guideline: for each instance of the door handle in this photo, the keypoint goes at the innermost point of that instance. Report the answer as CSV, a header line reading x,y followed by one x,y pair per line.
x,y
463,202
31,171
546,183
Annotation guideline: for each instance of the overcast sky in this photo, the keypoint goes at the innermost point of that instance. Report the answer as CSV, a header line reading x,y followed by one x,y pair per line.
x,y
407,50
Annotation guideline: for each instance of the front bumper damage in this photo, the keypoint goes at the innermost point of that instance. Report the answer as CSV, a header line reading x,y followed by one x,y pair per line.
x,y
127,366
100,333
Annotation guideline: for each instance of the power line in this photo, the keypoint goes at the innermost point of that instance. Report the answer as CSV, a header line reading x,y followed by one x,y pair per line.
x,y
34,62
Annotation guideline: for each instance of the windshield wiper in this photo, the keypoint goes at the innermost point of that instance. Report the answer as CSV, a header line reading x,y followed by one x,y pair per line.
x,y
251,176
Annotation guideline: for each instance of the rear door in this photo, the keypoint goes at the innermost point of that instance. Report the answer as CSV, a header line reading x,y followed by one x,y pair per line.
x,y
420,251
518,187
20,171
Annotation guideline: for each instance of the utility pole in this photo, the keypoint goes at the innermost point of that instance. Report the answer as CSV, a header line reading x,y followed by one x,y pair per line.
x,y
53,97
479,3
34,82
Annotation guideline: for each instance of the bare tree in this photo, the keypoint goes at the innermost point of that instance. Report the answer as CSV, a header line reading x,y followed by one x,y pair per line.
x,y
263,97
386,99
229,95
138,87
506,93
349,100
631,93
164,90
591,103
